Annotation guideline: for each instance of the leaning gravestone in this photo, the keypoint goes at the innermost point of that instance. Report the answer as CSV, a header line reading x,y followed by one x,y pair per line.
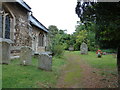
x,y
45,62
25,55
84,48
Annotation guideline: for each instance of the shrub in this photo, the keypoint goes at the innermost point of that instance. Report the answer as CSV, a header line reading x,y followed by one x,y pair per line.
x,y
58,50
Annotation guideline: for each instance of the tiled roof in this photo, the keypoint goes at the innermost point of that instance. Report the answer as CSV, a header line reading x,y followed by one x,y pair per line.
x,y
35,22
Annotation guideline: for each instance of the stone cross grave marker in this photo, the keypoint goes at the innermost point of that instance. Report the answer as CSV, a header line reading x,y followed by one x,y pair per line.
x,y
84,48
45,62
26,56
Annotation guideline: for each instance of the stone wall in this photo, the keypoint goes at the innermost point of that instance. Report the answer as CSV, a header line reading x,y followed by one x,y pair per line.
x,y
35,34
0,19
20,30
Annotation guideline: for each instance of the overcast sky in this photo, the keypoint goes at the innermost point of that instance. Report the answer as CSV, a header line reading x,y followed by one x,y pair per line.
x,y
60,13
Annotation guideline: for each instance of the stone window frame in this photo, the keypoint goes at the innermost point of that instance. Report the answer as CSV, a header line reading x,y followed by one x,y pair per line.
x,y
41,39
7,11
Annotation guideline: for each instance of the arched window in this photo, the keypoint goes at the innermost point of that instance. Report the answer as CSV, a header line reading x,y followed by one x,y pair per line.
x,y
1,20
41,39
7,27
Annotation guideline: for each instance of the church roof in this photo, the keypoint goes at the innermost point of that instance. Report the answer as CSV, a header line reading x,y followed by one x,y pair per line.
x,y
26,6
35,22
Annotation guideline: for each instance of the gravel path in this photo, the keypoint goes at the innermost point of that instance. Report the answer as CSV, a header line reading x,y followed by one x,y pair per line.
x,y
79,74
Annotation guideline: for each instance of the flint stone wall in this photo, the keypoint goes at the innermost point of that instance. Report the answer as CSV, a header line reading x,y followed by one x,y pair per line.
x,y
21,32
25,56
45,62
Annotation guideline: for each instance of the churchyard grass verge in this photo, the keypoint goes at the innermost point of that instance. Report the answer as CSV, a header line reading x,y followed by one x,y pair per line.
x,y
107,61
107,64
17,76
0,76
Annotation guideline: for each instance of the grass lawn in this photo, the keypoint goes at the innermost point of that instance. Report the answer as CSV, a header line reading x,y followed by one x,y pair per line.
x,y
107,61
17,76
0,76
107,64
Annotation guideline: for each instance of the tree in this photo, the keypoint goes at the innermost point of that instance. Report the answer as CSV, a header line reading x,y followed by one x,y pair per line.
x,y
53,30
58,40
106,16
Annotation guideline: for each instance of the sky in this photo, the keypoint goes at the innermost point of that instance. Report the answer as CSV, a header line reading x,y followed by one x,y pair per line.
x,y
60,13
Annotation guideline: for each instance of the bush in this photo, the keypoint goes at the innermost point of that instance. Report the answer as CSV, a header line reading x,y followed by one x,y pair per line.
x,y
57,50
109,50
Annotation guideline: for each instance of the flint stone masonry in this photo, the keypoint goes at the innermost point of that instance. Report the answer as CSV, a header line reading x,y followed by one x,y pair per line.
x,y
45,62
25,55
84,48
5,51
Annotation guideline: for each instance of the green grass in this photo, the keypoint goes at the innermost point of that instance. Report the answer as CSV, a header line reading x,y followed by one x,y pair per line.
x,y
107,61
17,76
72,70
0,76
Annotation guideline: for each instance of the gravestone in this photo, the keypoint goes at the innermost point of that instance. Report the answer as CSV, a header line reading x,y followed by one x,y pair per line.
x,y
71,48
25,56
84,48
5,51
45,62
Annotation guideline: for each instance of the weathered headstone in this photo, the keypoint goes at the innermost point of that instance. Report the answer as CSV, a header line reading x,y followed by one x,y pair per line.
x,y
26,56
71,48
45,62
84,48
5,51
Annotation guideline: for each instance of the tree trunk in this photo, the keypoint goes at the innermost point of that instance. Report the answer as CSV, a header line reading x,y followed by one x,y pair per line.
x,y
118,64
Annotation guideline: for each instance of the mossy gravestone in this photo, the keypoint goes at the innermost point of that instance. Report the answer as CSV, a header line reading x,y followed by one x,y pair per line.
x,y
84,48
45,62
26,56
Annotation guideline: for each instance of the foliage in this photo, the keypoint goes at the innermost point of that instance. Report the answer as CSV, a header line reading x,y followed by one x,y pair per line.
x,y
106,20
57,42
81,34
16,76
57,50
109,50
81,37
53,30
106,16
85,34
